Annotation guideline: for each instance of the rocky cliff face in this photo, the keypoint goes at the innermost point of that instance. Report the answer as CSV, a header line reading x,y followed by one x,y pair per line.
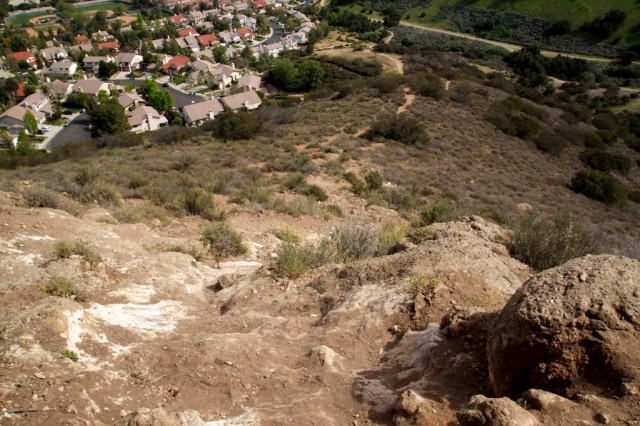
x,y
163,339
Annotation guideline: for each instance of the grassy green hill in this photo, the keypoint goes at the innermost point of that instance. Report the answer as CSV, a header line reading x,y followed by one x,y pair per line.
x,y
577,12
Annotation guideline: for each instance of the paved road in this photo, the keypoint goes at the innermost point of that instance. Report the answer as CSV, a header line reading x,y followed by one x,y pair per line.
x,y
77,131
278,33
180,99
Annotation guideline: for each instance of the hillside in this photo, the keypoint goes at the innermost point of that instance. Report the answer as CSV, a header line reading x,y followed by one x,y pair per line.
x,y
349,253
502,20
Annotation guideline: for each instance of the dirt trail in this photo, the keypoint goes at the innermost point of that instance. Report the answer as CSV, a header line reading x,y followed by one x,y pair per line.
x,y
409,98
508,46
235,344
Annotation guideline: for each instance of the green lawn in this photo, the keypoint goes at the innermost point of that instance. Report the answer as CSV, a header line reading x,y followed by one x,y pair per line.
x,y
20,20
104,6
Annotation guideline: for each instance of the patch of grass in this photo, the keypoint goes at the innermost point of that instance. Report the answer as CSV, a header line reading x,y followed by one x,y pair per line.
x,y
66,353
544,242
188,250
287,235
222,241
143,212
63,287
64,250
421,286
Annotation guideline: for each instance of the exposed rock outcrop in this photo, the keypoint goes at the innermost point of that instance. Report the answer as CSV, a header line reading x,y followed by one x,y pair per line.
x,y
572,328
485,411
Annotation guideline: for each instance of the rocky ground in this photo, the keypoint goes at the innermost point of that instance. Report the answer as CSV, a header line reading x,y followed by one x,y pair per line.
x,y
165,339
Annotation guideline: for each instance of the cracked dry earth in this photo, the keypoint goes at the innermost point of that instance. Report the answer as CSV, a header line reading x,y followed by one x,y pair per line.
x,y
161,330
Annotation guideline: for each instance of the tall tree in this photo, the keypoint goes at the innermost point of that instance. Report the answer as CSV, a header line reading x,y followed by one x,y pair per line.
x,y
107,117
161,100
30,123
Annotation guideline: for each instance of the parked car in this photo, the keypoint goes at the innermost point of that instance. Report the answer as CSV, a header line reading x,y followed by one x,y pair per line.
x,y
66,123
67,112
45,128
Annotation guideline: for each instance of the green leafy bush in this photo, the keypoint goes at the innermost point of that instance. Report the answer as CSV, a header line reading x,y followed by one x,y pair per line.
x,y
222,241
294,259
197,202
63,287
550,142
401,128
600,186
606,161
64,250
544,242
440,211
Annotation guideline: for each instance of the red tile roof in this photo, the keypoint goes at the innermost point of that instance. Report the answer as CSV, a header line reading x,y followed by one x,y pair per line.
x,y
177,61
208,39
81,38
259,4
187,32
22,56
245,32
109,45
176,19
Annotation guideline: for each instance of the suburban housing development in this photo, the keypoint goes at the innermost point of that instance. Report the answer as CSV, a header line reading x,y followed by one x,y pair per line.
x,y
203,53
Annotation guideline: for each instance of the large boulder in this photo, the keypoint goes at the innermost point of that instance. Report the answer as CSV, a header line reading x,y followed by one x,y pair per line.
x,y
568,329
483,411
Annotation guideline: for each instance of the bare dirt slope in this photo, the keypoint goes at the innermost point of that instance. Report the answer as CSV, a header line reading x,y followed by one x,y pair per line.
x,y
159,329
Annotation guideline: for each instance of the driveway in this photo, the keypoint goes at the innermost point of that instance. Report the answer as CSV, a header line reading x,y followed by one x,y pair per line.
x,y
76,131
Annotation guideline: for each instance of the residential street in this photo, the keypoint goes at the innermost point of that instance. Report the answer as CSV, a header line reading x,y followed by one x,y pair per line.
x,y
77,131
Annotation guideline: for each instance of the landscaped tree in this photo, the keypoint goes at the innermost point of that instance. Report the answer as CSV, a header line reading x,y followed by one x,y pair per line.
x,y
30,123
229,125
284,74
391,15
310,74
161,100
107,117
25,145
107,69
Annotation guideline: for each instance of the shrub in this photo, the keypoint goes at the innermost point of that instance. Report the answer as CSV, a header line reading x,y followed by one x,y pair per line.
x,y
428,85
373,180
295,259
550,142
386,84
222,241
440,211
230,125
634,196
39,196
67,353
333,210
400,198
544,242
606,161
64,250
63,287
287,235
600,186
197,202
401,128
315,192
357,186
354,242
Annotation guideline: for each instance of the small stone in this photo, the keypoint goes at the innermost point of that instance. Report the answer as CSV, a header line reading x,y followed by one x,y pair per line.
x,y
71,409
582,277
123,413
39,375
229,363
629,389
636,293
